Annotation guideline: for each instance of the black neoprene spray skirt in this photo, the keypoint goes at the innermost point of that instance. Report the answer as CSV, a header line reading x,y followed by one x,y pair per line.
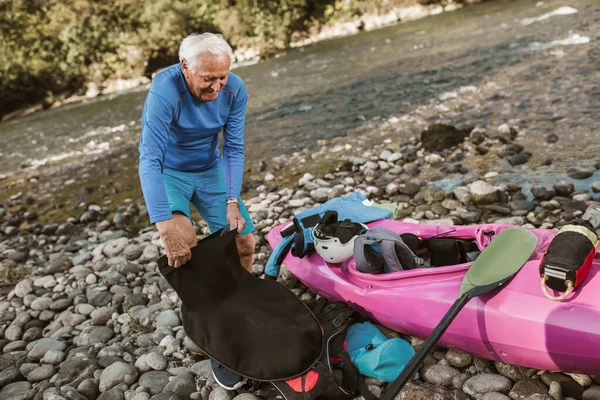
x,y
255,327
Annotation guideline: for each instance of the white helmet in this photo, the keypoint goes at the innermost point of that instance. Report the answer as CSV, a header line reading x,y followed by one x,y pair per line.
x,y
333,240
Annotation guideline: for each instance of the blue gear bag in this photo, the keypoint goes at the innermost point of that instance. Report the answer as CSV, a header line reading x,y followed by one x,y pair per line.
x,y
374,354
298,236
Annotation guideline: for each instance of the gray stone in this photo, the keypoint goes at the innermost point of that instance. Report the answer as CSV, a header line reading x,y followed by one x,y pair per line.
x,y
82,258
41,346
113,350
115,246
156,361
246,396
41,303
94,334
219,393
439,137
67,318
7,316
60,304
113,394
98,296
89,388
9,359
108,360
43,372
141,364
114,278
576,173
53,357
23,288
592,393
483,193
440,374
117,373
514,372
72,394
526,388
582,379
183,385
409,188
495,396
77,368
538,396
102,315
130,268
563,188
13,391
154,381
26,368
10,375
542,193
460,379
168,396
522,205
60,264
555,391
418,391
151,253
133,252
80,272
50,393
484,383
520,158
458,358
510,221
17,345
167,318
202,369
135,299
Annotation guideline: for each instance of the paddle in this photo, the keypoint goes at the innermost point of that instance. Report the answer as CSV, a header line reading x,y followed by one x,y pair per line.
x,y
500,260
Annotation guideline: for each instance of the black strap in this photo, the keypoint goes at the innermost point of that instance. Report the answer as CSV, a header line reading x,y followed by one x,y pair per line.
x,y
360,382
163,266
284,253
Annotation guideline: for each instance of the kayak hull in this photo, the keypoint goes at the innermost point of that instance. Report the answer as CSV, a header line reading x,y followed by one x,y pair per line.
x,y
515,324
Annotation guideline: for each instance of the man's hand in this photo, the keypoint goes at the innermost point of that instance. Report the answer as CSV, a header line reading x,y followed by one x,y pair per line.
x,y
177,249
234,218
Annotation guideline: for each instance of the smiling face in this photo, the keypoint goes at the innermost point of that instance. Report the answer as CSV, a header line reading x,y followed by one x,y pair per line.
x,y
208,76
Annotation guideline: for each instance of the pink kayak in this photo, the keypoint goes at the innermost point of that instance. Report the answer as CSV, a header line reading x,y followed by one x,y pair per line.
x,y
516,324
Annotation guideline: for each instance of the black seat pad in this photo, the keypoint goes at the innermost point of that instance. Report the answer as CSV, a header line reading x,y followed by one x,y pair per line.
x,y
255,327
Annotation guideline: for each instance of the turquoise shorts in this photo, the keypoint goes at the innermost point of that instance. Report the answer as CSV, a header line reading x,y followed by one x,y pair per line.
x,y
206,191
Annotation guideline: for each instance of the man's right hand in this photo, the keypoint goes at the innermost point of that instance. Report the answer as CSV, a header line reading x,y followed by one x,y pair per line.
x,y
177,249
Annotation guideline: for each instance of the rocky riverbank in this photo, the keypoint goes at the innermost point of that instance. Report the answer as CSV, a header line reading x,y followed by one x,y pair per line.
x,y
84,313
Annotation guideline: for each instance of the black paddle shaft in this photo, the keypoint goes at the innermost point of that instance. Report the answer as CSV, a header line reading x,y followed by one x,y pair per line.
x,y
409,371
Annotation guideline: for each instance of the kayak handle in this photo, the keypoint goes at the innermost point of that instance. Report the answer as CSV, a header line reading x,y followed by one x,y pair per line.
x,y
556,298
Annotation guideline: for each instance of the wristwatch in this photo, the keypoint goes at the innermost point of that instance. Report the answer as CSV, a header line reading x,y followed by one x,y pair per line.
x,y
232,200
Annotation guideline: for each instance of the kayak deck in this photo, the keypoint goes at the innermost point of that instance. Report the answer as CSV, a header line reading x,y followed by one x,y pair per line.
x,y
516,324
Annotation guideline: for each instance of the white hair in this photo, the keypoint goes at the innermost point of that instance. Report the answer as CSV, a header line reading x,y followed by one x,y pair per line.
x,y
195,44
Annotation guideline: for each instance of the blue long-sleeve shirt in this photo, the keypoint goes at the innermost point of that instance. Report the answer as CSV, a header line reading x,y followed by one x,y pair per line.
x,y
181,132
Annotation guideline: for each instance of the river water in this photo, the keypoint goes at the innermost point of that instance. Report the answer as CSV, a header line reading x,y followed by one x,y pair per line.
x,y
534,65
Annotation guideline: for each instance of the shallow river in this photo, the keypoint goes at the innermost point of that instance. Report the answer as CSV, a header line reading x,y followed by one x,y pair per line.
x,y
535,65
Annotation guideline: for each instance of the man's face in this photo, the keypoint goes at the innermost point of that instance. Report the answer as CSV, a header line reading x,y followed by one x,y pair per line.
x,y
208,76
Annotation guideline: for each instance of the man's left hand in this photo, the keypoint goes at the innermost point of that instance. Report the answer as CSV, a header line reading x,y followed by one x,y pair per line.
x,y
234,218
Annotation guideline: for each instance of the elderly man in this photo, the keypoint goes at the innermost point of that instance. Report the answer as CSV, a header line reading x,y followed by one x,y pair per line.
x,y
188,105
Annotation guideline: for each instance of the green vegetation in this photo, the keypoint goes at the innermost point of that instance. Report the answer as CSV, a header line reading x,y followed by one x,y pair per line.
x,y
54,47
12,275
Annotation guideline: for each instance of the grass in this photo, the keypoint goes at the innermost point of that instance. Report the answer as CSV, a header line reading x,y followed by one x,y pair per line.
x,y
12,275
